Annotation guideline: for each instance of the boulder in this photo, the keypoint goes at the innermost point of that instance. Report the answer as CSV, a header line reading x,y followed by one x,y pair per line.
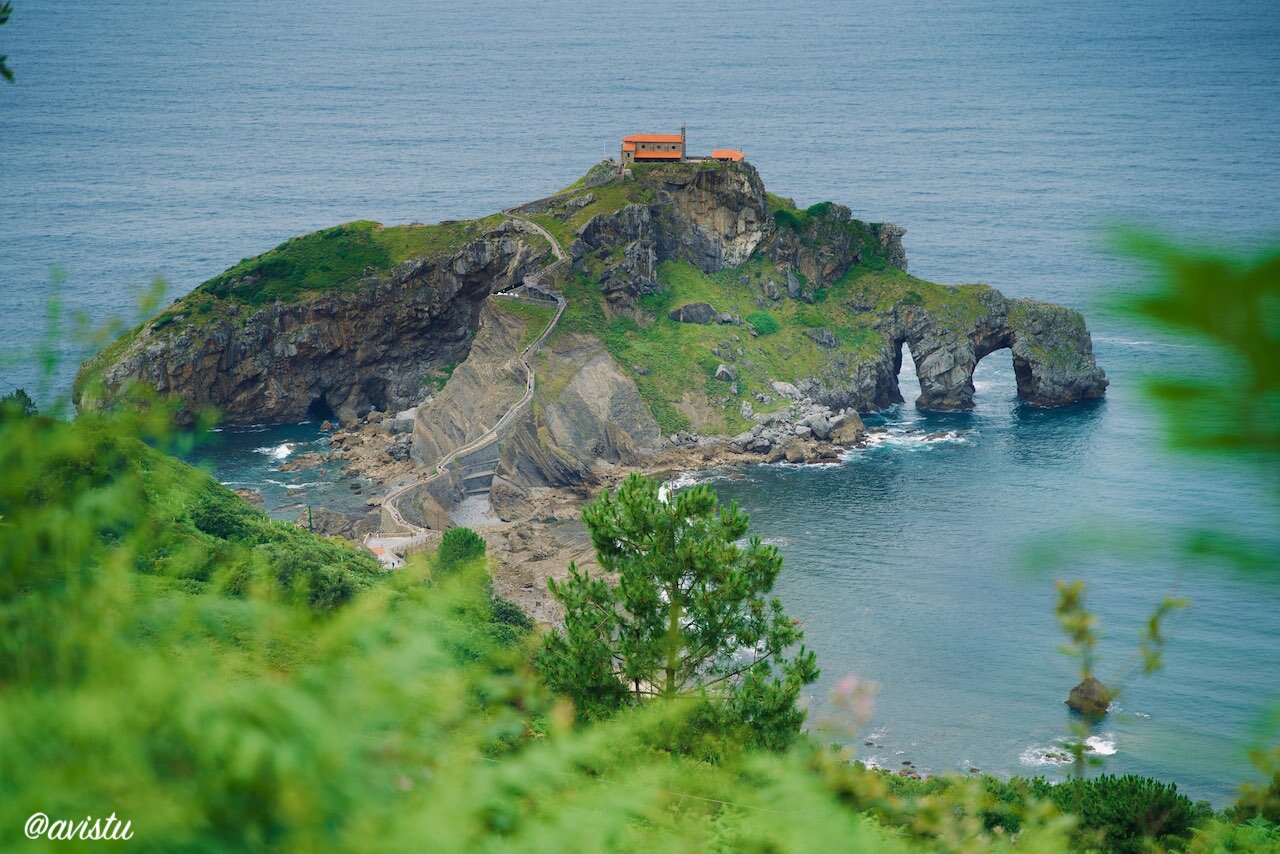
x,y
820,426
793,285
398,426
772,292
508,499
785,389
694,312
823,337
1090,697
726,373
847,430
797,452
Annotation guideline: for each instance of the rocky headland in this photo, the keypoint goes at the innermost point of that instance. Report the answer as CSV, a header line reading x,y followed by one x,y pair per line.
x,y
706,321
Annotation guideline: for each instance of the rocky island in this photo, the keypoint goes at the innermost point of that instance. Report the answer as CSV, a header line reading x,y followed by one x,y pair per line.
x,y
700,318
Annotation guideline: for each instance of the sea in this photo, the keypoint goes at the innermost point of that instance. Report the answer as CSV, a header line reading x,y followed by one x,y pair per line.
x,y
169,139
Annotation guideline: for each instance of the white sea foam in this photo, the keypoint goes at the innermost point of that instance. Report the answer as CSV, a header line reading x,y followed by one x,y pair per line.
x,y
911,440
1059,754
1036,756
301,485
685,479
276,452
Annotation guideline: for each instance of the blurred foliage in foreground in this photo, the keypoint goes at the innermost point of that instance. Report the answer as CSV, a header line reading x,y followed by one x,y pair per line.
x,y
224,682
1234,305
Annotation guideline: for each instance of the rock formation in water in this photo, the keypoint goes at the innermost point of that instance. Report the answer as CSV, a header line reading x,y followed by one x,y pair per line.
x,y
694,296
1090,697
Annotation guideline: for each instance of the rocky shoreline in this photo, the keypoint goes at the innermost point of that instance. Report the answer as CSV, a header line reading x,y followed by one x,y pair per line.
x,y
536,536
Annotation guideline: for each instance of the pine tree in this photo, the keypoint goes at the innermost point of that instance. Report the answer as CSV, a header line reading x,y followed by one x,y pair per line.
x,y
688,616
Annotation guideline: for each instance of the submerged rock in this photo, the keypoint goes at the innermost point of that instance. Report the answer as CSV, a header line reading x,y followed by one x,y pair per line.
x,y
1090,697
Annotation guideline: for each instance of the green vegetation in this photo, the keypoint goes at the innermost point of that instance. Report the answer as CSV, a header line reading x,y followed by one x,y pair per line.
x,y
226,682
439,377
17,404
6,9
458,546
678,355
563,221
763,322
535,316
338,258
1121,814
688,601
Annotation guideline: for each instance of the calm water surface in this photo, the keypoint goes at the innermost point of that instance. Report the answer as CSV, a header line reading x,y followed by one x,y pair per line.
x,y
170,138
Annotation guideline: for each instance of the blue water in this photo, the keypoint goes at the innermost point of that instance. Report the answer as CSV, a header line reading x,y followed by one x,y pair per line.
x,y
172,138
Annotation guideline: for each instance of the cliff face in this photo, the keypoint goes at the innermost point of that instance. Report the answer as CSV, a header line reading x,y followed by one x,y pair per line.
x,y
715,219
489,381
1051,349
587,410
336,354
712,218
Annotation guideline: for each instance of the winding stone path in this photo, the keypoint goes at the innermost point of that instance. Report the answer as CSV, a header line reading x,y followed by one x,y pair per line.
x,y
390,546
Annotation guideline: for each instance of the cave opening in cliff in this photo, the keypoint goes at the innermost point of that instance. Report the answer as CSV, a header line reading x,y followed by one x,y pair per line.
x,y
320,410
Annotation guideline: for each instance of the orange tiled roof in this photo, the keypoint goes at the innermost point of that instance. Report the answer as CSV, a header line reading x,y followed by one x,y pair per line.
x,y
628,146
653,137
658,155
727,154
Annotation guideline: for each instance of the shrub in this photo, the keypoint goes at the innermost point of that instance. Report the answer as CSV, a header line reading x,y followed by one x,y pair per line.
x,y
810,318
820,209
222,514
792,219
763,322
459,545
17,404
1125,814
913,298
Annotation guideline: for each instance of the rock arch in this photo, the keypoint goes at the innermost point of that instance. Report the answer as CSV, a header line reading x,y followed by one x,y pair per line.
x,y
1053,361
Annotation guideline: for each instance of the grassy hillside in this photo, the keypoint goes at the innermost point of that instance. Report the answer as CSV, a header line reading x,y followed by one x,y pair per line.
x,y
673,364
339,257
533,316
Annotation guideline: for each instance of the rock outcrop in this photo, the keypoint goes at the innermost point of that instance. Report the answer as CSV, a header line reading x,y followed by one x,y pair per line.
x,y
587,411
711,217
817,314
483,387
827,243
1051,349
340,353
1090,697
